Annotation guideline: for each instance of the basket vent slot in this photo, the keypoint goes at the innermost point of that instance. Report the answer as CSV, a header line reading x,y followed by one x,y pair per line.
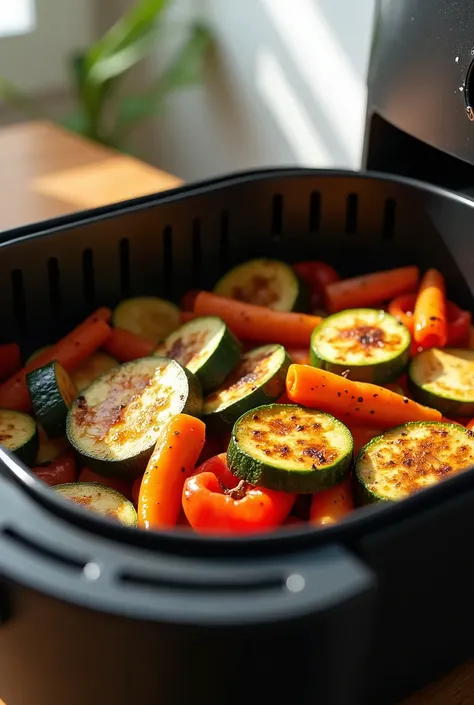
x,y
389,219
168,260
189,585
196,253
314,212
351,213
54,287
88,278
224,239
18,294
277,217
124,256
41,551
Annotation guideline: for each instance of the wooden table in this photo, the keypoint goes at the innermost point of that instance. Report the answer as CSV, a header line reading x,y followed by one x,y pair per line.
x,y
45,172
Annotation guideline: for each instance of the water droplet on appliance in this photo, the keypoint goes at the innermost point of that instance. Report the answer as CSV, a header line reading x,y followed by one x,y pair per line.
x,y
461,88
456,60
295,583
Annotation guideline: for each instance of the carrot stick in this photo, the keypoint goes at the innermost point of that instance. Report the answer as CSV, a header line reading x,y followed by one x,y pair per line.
x,y
69,352
353,401
470,425
371,289
362,435
10,359
332,505
402,307
173,461
299,355
430,321
126,346
251,322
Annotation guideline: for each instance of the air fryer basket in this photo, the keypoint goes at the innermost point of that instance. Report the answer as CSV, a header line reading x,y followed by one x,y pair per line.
x,y
93,612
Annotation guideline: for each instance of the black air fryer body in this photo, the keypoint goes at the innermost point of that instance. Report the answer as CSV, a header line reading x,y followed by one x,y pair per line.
x,y
421,89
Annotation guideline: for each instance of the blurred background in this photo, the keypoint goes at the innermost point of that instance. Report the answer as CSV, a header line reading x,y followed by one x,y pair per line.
x,y
196,87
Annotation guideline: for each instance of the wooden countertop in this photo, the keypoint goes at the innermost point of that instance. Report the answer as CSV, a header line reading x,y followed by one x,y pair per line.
x,y
46,172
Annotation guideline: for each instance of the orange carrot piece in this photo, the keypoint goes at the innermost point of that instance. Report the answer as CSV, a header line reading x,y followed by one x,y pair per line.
x,y
299,355
126,346
353,401
470,425
402,308
362,435
332,505
173,461
69,352
371,289
430,320
10,359
251,322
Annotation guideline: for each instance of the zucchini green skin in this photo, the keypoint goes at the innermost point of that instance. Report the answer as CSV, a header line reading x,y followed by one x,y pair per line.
x,y
100,499
130,467
386,371
267,474
448,407
222,421
213,370
26,450
52,391
412,467
147,316
297,300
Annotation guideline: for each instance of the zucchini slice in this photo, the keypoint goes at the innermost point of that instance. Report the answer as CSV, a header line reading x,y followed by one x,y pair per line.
x,y
52,392
290,448
206,347
92,368
258,379
101,500
444,379
114,424
411,457
265,282
147,316
370,345
49,448
19,435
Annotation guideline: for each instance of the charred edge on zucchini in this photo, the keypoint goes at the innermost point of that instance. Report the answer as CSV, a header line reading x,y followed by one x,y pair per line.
x,y
19,435
101,500
115,423
290,448
52,392
368,344
258,379
444,380
412,457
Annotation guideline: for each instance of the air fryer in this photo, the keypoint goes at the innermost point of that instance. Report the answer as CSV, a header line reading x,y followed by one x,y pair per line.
x,y
420,116
92,612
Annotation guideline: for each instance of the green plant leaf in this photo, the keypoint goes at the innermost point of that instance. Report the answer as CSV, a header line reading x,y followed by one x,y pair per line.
x,y
133,27
121,61
185,70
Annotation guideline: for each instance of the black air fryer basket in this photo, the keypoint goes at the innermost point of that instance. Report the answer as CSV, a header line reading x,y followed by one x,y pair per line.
x,y
92,612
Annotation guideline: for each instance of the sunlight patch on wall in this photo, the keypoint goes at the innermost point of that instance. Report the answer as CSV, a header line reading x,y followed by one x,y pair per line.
x,y
288,112
319,57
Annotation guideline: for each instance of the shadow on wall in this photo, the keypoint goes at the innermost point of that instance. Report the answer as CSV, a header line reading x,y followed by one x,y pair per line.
x,y
286,85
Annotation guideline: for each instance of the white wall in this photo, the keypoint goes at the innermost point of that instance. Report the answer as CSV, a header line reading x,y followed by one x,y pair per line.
x,y
287,86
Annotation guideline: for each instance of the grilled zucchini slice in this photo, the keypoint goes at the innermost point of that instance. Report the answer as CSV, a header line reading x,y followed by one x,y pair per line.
x,y
101,500
367,344
147,316
444,380
265,282
411,457
258,379
206,347
114,424
52,392
290,448
19,435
